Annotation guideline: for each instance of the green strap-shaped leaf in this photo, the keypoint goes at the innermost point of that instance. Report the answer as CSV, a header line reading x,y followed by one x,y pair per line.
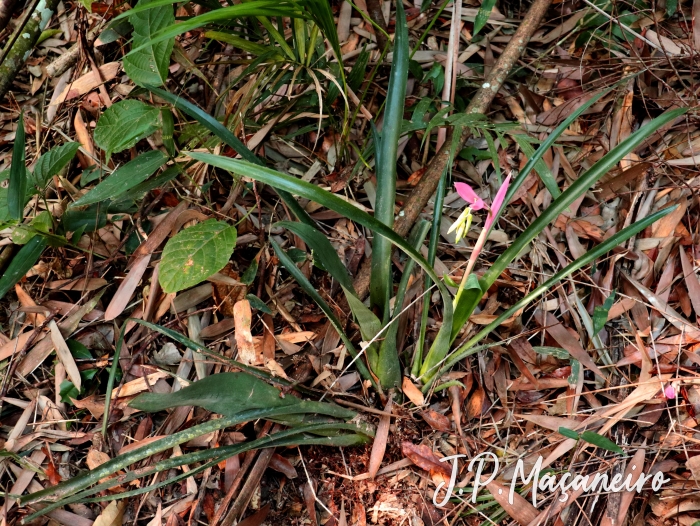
x,y
124,178
385,164
23,261
323,251
369,325
231,393
313,293
601,441
17,190
310,191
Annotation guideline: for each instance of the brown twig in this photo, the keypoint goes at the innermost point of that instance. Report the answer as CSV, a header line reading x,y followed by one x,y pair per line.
x,y
479,104
374,9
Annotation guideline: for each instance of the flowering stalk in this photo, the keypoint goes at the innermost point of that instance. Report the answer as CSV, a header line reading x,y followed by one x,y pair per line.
x,y
462,224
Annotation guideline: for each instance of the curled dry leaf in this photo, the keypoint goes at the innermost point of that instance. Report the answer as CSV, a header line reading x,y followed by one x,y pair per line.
x,y
412,392
242,318
112,515
380,440
423,457
437,421
281,464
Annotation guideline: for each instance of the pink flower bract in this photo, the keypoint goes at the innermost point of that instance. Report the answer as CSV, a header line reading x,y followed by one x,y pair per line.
x,y
473,201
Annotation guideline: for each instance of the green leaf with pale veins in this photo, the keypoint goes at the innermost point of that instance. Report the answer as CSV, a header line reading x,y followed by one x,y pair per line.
x,y
148,65
124,124
195,254
125,178
52,162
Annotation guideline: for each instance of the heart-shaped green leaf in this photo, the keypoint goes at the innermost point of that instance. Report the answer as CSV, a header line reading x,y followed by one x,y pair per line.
x,y
195,254
124,124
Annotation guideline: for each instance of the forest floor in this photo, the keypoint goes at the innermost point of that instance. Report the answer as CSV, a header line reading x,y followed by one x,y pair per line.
x,y
597,375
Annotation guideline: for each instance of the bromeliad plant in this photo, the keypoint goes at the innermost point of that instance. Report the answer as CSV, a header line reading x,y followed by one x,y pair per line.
x,y
379,321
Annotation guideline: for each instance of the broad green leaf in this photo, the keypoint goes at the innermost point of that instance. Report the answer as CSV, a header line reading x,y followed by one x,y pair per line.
x,y
124,178
600,441
386,153
67,391
149,65
195,254
230,394
249,275
124,124
482,16
17,189
323,251
52,162
600,313
568,433
90,219
23,261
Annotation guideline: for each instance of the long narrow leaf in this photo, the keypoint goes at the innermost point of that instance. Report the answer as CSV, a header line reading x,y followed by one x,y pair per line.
x,y
323,251
23,261
295,186
559,205
209,122
311,291
17,190
380,286
590,256
225,14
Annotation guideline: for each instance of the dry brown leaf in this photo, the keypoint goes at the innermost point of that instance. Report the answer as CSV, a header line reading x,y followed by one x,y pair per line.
x,y
566,340
88,82
112,515
412,392
92,404
26,301
437,421
64,354
380,440
139,385
423,457
281,464
242,318
691,279
520,510
127,288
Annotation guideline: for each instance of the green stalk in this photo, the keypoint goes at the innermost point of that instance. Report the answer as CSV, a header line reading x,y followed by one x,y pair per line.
x,y
432,252
388,367
381,284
